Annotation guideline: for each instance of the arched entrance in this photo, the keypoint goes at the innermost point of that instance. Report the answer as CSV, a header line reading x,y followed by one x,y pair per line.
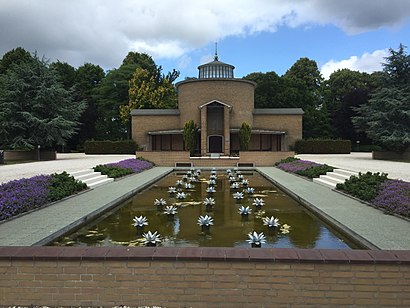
x,y
215,144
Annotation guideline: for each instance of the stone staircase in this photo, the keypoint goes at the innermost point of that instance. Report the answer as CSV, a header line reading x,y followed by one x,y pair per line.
x,y
332,178
91,178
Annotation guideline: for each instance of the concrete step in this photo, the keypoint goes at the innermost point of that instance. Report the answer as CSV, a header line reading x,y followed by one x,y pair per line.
x,y
91,178
345,172
331,179
87,176
81,172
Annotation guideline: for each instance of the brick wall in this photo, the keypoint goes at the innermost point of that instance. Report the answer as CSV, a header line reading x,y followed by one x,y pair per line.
x,y
142,124
291,124
169,158
235,92
30,155
203,277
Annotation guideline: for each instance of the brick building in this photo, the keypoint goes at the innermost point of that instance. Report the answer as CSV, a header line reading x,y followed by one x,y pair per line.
x,y
218,103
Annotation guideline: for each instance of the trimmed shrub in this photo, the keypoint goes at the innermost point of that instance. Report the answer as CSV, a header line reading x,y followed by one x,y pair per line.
x,y
110,147
112,171
323,146
63,185
364,186
123,167
244,136
315,172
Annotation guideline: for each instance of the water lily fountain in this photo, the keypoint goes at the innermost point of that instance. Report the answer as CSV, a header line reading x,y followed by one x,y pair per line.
x,y
205,222
170,210
256,239
258,202
271,222
140,222
160,202
151,239
245,211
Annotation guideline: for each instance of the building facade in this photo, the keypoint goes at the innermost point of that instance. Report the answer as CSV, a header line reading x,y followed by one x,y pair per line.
x,y
218,103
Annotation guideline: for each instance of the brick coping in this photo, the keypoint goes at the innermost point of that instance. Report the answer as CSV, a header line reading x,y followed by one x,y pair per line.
x,y
289,255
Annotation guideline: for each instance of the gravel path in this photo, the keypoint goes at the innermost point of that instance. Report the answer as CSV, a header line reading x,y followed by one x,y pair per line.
x,y
69,162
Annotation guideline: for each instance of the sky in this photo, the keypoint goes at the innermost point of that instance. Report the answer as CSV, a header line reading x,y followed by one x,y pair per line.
x,y
252,35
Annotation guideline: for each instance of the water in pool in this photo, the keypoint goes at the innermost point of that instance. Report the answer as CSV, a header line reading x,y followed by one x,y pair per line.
x,y
298,227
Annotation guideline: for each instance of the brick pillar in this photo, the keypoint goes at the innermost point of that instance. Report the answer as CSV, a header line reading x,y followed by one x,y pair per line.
x,y
227,135
204,129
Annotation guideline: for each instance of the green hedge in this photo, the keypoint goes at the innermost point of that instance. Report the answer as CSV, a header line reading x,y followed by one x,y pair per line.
x,y
365,186
110,147
323,146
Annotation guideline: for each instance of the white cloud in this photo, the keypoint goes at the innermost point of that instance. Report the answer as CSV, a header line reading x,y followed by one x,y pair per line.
x,y
100,31
368,62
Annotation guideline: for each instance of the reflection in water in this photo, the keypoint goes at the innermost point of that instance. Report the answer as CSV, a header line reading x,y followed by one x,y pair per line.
x,y
230,229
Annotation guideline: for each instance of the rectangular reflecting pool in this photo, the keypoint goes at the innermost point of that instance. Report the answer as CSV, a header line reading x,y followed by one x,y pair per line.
x,y
297,227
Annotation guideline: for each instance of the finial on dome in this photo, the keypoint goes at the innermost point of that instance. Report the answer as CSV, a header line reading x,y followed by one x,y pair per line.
x,y
216,51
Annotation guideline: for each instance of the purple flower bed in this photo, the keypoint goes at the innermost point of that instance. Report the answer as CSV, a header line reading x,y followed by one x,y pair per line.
x,y
22,195
297,165
135,165
394,197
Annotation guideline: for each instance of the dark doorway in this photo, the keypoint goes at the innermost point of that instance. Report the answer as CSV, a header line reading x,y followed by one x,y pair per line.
x,y
215,144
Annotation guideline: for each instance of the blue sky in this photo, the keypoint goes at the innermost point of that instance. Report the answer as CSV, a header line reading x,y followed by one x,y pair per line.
x,y
252,35
278,51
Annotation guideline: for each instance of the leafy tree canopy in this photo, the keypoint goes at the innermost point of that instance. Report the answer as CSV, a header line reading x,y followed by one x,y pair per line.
x,y
386,118
35,108
14,57
145,93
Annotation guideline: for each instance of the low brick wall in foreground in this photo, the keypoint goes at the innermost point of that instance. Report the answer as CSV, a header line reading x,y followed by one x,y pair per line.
x,y
203,277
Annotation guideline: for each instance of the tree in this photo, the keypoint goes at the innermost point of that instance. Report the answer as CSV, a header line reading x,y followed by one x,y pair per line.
x,y
35,109
109,95
268,89
14,57
386,118
87,78
66,73
145,93
244,136
346,89
304,85
190,136
113,92
397,67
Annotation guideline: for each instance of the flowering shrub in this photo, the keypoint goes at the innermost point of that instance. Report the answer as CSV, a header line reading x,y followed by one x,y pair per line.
x,y
123,167
23,195
297,165
394,197
135,165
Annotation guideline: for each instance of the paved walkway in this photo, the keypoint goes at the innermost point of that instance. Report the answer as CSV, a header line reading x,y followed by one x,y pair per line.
x,y
39,226
362,162
381,230
69,162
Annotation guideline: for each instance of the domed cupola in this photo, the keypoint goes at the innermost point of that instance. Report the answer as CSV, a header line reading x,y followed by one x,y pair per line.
x,y
216,69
